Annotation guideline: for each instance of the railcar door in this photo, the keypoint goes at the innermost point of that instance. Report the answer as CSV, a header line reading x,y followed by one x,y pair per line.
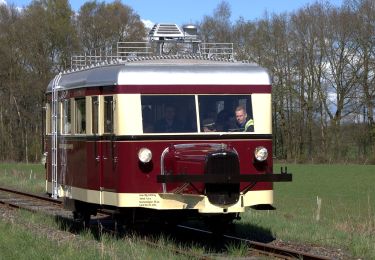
x,y
95,164
109,151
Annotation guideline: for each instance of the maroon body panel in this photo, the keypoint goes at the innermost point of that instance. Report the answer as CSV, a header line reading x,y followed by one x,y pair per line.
x,y
167,89
194,89
114,165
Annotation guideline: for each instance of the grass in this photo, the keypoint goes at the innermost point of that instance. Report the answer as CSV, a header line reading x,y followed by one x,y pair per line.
x,y
26,177
238,250
34,245
40,238
346,217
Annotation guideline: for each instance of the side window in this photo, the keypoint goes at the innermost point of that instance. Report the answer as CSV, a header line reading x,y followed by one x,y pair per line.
x,y
80,115
108,114
169,114
95,114
66,117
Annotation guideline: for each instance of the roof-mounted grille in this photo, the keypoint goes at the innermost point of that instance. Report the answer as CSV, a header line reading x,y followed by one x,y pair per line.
x,y
164,39
162,31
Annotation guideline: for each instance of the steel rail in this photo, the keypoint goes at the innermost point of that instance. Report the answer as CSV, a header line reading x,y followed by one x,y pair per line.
x,y
265,249
45,197
32,202
32,195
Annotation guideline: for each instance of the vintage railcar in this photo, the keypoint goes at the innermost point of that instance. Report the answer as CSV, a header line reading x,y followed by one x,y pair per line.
x,y
156,135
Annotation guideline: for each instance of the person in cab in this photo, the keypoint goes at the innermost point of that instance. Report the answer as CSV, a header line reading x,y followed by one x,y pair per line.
x,y
170,123
243,124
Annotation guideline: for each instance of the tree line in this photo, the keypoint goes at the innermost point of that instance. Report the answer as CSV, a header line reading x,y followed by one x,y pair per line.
x,y
321,58
35,44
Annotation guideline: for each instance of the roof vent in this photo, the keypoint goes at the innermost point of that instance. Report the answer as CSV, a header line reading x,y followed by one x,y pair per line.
x,y
165,31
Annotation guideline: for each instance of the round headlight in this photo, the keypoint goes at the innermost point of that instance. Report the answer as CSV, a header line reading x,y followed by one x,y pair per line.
x,y
144,155
261,153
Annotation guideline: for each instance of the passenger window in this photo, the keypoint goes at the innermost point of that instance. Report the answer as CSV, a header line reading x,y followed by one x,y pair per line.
x,y
80,108
95,114
66,117
226,113
108,114
169,114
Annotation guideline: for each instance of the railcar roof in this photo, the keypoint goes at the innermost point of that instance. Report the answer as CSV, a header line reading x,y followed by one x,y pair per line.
x,y
165,71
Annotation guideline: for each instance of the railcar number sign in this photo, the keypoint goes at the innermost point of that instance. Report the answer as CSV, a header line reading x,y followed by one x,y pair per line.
x,y
148,200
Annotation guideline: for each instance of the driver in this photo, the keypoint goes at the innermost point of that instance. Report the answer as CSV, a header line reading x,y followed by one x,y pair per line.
x,y
244,124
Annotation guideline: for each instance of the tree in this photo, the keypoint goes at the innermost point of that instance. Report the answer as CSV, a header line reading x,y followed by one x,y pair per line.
x,y
101,24
342,67
217,28
243,32
10,70
307,33
36,43
365,31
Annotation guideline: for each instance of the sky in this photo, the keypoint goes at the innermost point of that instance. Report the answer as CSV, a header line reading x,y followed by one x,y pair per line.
x,y
191,11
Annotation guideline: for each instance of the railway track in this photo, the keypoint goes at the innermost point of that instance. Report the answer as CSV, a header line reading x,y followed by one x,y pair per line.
x,y
32,202
37,203
263,248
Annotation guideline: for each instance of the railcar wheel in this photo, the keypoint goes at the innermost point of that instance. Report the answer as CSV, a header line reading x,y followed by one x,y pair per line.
x,y
219,224
121,223
81,220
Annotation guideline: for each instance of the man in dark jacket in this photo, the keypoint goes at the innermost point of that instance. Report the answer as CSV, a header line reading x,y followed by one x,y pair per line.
x,y
169,123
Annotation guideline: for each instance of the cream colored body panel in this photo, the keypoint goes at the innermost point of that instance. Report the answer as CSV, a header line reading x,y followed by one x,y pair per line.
x,y
193,76
128,114
262,113
164,201
88,118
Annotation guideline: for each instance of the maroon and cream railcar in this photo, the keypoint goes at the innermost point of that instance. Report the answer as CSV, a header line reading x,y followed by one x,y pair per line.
x,y
111,144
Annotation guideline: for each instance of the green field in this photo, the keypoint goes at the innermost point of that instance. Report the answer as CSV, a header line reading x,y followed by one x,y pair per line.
x,y
26,177
346,219
347,214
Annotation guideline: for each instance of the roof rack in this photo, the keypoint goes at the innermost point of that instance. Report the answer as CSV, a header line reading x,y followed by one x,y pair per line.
x,y
163,40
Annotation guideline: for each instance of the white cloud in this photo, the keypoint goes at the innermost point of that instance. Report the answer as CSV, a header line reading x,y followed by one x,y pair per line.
x,y
148,24
3,2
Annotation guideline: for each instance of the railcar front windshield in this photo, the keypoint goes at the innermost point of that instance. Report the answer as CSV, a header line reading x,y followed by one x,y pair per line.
x,y
196,113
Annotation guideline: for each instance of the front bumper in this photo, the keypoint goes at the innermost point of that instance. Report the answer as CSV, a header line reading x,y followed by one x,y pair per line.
x,y
224,178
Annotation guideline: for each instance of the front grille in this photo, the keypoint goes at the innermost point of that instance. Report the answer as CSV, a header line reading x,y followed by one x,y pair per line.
x,y
222,163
